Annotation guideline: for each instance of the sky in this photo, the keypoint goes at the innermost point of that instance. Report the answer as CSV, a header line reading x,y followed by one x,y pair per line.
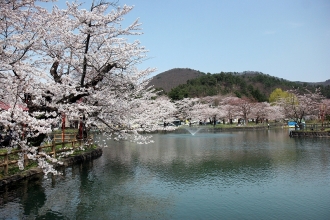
x,y
289,39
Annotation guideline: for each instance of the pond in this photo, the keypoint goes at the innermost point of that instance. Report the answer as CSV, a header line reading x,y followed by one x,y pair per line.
x,y
255,174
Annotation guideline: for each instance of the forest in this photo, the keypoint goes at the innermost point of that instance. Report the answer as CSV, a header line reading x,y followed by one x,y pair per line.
x,y
253,85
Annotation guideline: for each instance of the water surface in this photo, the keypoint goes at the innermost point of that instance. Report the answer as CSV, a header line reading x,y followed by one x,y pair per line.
x,y
211,175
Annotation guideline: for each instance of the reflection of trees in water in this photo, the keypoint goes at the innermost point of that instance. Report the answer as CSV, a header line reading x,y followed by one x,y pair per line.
x,y
184,160
312,151
37,198
82,190
64,193
34,198
248,155
112,191
245,168
124,182
51,215
28,194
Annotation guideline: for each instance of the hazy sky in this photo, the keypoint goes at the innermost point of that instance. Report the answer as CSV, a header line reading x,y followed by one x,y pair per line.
x,y
289,39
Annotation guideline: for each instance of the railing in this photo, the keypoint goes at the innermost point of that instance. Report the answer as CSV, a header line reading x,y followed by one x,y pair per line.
x,y
56,147
314,126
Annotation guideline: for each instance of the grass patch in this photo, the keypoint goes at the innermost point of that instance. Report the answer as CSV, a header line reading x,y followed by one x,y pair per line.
x,y
13,169
67,131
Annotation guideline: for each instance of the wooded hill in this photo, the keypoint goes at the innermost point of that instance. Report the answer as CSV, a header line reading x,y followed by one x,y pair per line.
x,y
172,78
255,85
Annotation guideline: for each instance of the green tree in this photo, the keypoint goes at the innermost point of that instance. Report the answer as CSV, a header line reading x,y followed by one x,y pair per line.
x,y
278,94
260,97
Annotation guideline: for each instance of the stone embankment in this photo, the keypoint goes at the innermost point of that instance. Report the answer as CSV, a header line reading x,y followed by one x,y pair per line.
x,y
82,157
310,134
66,162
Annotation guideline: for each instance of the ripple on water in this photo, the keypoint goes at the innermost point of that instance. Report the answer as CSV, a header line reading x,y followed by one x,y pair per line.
x,y
238,175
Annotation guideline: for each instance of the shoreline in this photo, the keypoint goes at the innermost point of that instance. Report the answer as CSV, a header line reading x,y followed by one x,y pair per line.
x,y
68,161
303,133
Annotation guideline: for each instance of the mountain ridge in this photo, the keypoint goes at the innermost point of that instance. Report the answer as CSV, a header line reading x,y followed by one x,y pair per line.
x,y
173,77
239,83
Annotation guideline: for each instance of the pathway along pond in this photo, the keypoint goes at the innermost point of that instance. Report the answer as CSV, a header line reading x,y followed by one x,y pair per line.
x,y
261,174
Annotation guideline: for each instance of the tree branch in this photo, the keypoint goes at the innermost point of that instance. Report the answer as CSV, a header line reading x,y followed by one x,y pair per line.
x,y
53,72
101,75
72,98
36,108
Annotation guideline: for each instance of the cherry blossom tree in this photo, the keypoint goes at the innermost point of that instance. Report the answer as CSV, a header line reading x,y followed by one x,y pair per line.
x,y
244,108
301,105
184,108
214,109
229,106
259,111
202,112
151,114
73,61
206,109
262,111
274,112
325,110
221,112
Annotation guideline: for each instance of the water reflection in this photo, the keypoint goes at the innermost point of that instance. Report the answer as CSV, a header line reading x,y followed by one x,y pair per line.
x,y
27,197
243,174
